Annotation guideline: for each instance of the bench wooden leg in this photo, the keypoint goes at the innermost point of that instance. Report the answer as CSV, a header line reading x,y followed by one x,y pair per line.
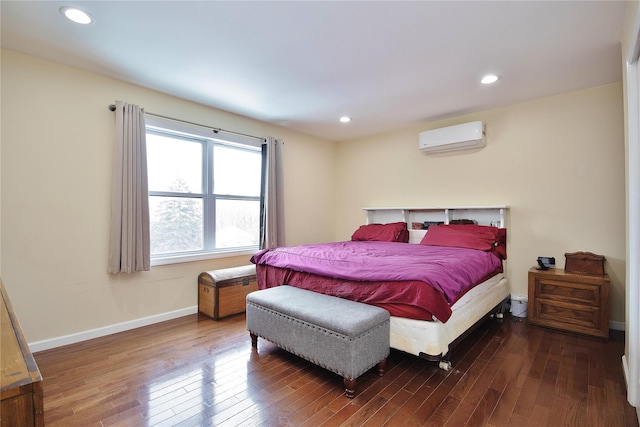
x,y
349,387
382,365
254,339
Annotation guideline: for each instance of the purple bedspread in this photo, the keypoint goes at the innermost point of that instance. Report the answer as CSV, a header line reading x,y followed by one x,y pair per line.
x,y
450,270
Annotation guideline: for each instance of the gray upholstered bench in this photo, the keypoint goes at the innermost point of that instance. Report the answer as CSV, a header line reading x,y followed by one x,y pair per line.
x,y
343,336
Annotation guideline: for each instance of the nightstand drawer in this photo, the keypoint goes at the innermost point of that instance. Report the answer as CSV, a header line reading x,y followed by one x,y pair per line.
x,y
561,314
577,293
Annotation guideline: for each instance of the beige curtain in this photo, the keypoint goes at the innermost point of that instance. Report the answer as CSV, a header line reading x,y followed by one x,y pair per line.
x,y
272,233
129,249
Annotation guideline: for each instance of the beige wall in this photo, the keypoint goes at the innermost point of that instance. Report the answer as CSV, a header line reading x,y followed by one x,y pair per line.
x,y
57,142
558,162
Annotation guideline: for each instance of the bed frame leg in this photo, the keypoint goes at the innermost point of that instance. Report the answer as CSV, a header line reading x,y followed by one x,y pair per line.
x,y
503,307
254,340
445,365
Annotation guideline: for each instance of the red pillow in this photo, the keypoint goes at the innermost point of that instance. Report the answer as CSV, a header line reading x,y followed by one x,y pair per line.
x,y
481,237
391,232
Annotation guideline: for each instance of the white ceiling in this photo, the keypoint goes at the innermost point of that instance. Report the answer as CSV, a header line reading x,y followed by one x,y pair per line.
x,y
302,65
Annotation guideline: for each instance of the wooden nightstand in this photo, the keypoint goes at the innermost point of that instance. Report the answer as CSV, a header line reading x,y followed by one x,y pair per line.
x,y
570,302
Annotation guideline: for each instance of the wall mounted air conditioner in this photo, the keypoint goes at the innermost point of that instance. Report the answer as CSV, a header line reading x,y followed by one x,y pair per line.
x,y
452,138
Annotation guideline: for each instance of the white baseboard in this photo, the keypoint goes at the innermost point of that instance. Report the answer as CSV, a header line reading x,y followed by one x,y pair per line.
x,y
108,330
616,326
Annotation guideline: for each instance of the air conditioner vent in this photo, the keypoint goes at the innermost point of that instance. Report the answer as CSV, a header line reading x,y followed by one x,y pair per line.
x,y
464,136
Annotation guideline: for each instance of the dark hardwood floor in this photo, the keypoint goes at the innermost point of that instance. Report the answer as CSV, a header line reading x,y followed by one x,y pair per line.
x,y
194,371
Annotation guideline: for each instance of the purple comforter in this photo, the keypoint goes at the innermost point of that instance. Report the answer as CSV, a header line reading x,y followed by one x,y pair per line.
x,y
450,270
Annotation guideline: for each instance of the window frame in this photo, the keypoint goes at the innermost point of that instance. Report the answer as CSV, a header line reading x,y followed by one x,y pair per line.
x,y
208,138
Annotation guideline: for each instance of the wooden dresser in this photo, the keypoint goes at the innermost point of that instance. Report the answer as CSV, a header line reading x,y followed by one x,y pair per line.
x,y
21,383
570,302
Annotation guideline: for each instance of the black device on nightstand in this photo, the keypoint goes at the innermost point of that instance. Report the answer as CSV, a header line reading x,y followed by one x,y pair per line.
x,y
546,262
542,265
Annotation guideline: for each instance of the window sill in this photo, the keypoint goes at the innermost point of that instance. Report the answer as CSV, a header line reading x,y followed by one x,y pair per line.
x,y
178,259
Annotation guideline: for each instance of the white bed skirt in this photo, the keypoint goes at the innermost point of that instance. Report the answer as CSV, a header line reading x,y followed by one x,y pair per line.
x,y
433,338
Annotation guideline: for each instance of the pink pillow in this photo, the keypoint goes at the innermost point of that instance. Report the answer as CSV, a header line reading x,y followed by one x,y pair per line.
x,y
480,237
391,232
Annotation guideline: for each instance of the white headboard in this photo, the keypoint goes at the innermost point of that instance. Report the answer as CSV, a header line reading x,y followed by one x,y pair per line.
x,y
413,216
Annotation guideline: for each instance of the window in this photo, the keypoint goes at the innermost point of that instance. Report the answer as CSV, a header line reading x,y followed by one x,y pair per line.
x,y
204,193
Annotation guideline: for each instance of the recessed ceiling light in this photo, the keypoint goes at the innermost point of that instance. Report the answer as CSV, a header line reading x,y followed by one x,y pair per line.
x,y
488,79
76,15
345,119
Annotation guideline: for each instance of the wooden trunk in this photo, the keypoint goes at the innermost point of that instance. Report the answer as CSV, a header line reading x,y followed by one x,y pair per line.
x,y
584,263
223,292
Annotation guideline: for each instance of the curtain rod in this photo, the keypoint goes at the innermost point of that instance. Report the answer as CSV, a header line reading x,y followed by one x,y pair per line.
x,y
112,107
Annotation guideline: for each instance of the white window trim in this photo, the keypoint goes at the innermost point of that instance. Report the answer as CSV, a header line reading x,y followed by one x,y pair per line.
x,y
192,130
178,259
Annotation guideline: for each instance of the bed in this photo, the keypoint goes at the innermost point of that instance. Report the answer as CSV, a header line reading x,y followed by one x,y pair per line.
x,y
438,279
